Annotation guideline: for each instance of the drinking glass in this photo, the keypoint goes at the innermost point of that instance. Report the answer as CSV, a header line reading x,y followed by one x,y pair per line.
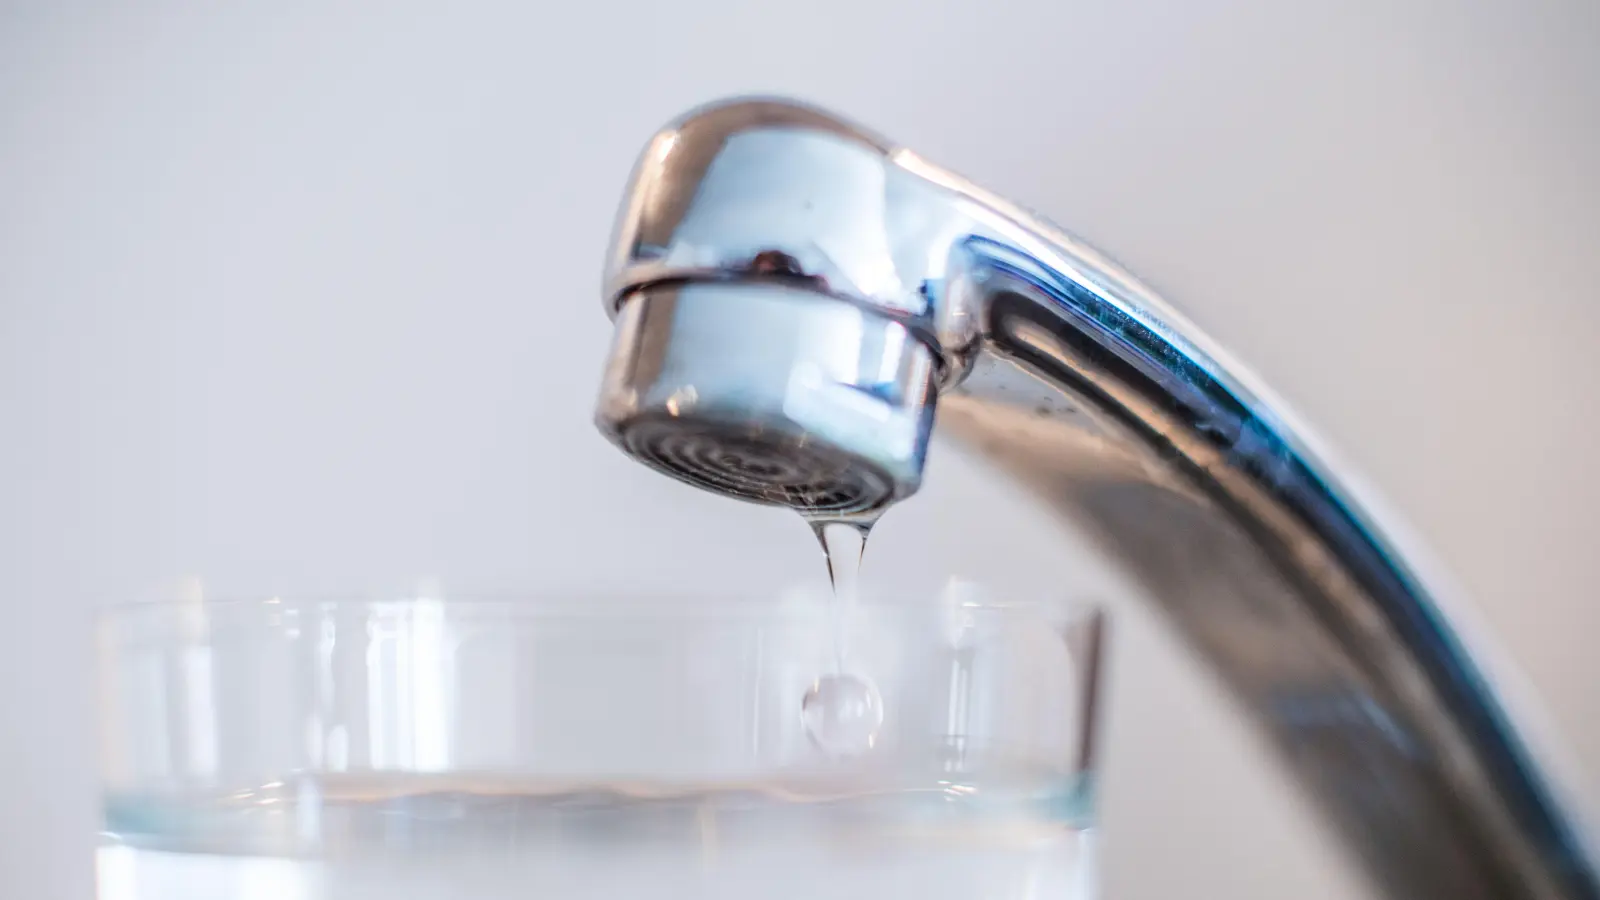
x,y
421,749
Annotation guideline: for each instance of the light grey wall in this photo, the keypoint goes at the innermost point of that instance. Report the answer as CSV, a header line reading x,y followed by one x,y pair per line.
x,y
306,300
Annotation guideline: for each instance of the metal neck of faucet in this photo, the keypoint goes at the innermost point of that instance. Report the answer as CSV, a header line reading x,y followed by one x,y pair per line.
x,y
1111,409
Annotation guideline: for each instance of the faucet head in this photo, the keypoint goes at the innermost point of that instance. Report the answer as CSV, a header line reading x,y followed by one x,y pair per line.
x,y
771,393
771,342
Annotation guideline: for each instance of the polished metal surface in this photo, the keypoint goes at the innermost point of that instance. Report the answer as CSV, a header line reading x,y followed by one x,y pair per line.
x,y
830,412
793,299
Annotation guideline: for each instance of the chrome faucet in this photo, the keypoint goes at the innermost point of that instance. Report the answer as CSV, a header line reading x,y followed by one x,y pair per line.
x,y
794,297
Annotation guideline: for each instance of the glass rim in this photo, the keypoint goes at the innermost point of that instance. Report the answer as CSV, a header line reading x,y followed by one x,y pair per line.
x,y
609,605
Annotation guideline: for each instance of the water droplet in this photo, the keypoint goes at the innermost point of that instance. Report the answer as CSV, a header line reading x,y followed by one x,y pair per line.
x,y
842,714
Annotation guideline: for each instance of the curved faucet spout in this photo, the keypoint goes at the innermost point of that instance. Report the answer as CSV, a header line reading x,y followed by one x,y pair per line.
x,y
805,296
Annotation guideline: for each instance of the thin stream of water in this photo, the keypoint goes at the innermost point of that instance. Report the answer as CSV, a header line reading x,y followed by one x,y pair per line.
x,y
844,544
842,710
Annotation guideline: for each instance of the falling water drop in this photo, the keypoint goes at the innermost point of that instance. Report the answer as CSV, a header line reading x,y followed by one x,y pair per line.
x,y
842,714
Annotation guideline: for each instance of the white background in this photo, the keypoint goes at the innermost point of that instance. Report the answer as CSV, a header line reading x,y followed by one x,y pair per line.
x,y
308,301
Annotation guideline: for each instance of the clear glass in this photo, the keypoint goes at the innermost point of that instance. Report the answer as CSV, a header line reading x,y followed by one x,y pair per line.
x,y
660,747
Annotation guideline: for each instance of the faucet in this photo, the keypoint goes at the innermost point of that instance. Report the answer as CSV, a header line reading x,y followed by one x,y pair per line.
x,y
794,298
